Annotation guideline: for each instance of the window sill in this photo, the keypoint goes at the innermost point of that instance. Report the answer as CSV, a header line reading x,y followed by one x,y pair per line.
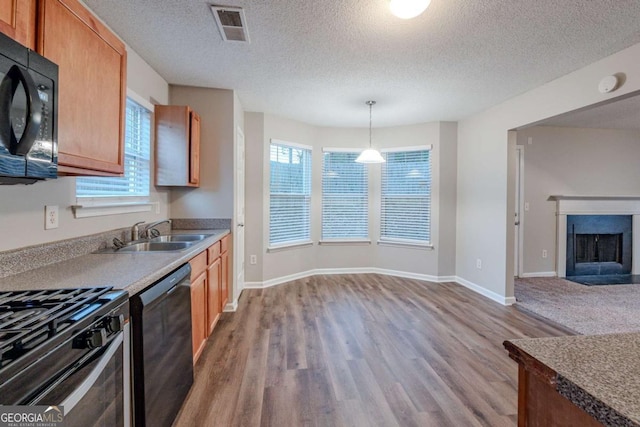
x,y
291,245
88,210
342,242
406,244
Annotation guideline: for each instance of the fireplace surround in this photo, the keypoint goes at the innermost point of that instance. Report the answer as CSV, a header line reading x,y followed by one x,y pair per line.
x,y
595,205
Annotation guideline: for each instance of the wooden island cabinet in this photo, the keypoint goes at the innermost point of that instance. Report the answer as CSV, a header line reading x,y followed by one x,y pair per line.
x,y
577,380
209,292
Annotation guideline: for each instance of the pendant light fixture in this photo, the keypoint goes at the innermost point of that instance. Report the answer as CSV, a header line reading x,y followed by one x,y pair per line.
x,y
370,155
407,9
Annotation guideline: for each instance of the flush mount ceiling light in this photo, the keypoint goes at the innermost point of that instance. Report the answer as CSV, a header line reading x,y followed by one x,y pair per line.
x,y
370,155
407,9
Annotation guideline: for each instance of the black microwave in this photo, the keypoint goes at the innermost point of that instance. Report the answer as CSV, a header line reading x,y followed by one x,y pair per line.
x,y
28,107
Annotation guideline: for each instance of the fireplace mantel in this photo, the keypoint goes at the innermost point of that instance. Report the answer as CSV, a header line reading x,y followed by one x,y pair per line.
x,y
593,205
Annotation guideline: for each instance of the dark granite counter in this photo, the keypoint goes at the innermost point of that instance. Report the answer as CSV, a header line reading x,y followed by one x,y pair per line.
x,y
600,374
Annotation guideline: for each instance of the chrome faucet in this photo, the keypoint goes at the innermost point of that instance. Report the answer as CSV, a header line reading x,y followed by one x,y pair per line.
x,y
150,231
135,231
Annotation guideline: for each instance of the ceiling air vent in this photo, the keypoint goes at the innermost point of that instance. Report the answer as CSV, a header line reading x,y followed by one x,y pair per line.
x,y
231,23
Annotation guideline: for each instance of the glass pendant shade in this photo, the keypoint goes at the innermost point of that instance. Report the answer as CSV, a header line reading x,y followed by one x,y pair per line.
x,y
370,156
407,9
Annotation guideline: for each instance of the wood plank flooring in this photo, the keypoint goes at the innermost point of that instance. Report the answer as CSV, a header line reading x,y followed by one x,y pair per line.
x,y
360,350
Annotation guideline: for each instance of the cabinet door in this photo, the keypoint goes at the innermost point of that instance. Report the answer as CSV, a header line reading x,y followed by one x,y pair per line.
x,y
224,280
194,148
18,21
92,82
213,294
177,146
198,315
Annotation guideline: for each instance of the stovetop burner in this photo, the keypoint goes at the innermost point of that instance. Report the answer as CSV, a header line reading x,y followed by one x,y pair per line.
x,y
29,318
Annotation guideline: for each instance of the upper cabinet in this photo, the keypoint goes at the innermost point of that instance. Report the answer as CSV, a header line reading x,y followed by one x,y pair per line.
x,y
18,21
177,146
92,65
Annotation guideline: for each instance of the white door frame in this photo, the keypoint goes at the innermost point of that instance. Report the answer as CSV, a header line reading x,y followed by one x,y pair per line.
x,y
239,215
519,219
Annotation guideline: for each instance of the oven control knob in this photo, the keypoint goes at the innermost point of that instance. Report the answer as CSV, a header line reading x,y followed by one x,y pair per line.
x,y
114,323
95,338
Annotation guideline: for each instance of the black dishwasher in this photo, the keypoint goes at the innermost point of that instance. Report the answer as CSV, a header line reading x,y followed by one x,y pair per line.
x,y
161,341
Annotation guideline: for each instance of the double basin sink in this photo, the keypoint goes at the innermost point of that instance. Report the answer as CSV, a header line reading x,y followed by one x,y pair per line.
x,y
168,243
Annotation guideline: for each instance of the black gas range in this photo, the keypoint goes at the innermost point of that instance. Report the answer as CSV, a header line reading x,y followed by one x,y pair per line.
x,y
68,348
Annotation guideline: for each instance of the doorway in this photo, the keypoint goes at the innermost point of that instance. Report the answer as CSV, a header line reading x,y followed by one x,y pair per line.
x,y
239,215
518,224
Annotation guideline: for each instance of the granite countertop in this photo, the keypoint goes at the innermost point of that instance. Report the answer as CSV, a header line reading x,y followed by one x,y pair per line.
x,y
598,373
131,271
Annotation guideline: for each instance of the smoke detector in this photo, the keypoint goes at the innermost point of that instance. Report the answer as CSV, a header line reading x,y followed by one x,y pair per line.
x,y
231,22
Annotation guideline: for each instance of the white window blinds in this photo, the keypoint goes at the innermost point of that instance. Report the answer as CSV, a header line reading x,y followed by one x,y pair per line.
x,y
406,196
137,143
290,193
345,196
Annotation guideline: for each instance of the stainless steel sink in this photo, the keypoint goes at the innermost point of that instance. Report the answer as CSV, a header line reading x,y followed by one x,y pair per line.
x,y
180,238
154,246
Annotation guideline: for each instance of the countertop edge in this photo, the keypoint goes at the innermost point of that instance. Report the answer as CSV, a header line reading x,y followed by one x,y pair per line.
x,y
132,271
183,257
575,394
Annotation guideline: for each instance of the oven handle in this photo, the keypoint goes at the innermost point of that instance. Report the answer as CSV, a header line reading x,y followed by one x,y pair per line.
x,y
76,396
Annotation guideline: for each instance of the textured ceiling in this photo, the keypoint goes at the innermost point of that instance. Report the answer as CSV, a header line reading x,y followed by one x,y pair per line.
x,y
623,114
319,61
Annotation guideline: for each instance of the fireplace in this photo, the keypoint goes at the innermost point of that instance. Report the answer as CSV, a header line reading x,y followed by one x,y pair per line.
x,y
598,244
595,206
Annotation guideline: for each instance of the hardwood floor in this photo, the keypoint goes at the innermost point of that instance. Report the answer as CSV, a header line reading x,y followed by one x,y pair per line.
x,y
360,350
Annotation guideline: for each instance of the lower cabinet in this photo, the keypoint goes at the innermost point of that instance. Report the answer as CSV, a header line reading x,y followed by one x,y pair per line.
x,y
224,281
213,294
209,291
199,330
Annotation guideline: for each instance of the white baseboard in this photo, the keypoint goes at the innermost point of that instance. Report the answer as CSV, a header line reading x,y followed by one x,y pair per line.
x,y
539,274
485,292
252,285
231,307
368,270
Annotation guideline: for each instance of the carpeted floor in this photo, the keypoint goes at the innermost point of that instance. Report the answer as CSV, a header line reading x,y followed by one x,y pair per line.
x,y
585,309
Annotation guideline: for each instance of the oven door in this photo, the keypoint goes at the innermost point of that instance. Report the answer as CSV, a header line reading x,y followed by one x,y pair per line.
x,y
94,392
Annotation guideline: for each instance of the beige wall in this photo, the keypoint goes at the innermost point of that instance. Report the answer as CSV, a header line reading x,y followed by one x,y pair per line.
x,y
22,207
254,194
571,162
214,197
440,261
484,200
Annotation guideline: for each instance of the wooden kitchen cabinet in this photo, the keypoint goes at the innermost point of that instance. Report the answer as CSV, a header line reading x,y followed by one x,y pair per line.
x,y
213,294
199,330
18,21
209,291
224,280
92,65
177,146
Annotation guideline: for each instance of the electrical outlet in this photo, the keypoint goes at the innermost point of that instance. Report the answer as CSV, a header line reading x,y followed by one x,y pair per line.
x,y
479,264
544,253
50,217
530,140
253,260
526,206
